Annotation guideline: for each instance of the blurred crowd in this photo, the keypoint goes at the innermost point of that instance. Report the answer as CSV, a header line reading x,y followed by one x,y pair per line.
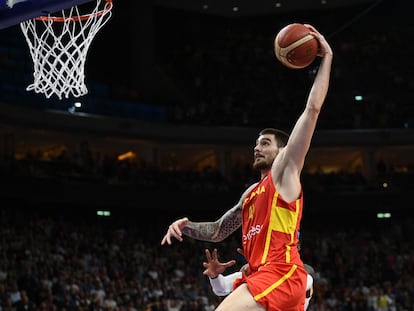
x,y
85,166
54,259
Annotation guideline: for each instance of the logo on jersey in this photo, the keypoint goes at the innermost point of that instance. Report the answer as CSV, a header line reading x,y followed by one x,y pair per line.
x,y
252,232
251,211
259,190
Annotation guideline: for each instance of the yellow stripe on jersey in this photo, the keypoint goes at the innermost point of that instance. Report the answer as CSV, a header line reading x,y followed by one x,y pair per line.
x,y
281,220
276,284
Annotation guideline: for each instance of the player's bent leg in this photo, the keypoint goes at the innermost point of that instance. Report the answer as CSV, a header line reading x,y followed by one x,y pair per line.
x,y
240,299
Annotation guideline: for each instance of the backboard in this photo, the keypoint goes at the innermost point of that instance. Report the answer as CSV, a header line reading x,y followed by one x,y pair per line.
x,y
12,12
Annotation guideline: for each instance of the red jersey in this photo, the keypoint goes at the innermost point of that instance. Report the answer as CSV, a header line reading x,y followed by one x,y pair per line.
x,y
270,226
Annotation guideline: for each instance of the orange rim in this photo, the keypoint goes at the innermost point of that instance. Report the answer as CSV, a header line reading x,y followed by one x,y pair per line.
x,y
108,7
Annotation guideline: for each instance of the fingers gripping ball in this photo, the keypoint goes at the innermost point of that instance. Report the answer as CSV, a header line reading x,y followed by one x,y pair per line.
x,y
295,47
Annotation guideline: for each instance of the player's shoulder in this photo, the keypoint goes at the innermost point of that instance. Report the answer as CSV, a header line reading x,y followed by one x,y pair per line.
x,y
250,188
246,192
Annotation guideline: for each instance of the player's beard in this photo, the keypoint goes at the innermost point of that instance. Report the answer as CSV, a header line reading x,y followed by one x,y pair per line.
x,y
261,165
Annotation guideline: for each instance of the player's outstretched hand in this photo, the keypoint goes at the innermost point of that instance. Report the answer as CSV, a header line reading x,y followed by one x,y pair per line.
x,y
213,266
175,231
324,47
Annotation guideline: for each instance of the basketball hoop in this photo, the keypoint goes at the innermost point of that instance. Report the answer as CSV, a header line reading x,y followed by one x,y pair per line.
x,y
58,47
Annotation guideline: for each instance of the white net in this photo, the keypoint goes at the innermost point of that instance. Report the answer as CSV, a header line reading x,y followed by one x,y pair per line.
x,y
59,45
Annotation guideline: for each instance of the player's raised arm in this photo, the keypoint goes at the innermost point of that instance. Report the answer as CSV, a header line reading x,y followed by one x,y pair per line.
x,y
289,164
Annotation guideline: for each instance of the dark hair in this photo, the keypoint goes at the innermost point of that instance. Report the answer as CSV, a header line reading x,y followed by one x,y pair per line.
x,y
281,137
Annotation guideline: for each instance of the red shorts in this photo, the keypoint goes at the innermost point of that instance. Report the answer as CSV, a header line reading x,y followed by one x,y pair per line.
x,y
277,287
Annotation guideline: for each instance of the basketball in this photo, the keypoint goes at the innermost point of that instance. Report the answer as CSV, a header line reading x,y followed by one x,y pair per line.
x,y
295,47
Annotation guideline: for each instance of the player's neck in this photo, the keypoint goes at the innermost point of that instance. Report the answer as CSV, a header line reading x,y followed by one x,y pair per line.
x,y
263,174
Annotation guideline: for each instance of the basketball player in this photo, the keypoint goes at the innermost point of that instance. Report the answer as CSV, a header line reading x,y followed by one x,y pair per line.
x,y
222,285
269,211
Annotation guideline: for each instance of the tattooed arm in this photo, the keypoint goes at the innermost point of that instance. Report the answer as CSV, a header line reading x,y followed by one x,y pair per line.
x,y
215,231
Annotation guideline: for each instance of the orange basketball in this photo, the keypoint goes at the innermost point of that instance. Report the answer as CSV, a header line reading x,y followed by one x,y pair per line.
x,y
295,47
